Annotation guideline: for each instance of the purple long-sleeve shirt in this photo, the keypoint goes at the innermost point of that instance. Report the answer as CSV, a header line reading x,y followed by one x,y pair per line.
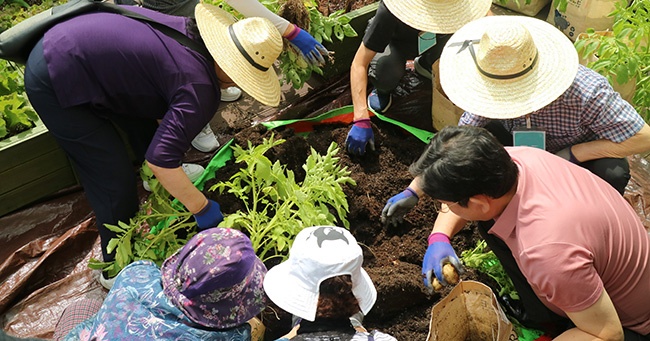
x,y
124,67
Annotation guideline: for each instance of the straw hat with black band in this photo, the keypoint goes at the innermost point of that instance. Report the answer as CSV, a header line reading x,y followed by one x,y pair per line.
x,y
245,50
438,16
504,67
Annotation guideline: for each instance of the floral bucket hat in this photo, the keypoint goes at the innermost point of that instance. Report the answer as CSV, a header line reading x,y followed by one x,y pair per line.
x,y
216,279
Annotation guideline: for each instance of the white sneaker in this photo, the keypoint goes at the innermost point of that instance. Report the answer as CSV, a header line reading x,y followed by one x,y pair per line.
x,y
205,141
106,283
192,170
230,94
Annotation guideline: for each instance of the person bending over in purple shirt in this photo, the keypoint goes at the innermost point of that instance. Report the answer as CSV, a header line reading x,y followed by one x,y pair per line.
x,y
304,43
100,75
577,252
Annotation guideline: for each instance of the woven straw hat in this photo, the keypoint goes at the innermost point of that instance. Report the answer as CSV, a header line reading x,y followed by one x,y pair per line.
x,y
244,49
520,65
438,16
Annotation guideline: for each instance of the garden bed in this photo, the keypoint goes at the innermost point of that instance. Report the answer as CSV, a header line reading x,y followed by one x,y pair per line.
x,y
393,255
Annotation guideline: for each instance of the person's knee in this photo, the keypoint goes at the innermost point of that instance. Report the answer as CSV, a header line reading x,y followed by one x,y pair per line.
x,y
616,172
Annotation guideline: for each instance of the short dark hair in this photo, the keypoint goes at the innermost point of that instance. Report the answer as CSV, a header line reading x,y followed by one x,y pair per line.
x,y
463,161
335,298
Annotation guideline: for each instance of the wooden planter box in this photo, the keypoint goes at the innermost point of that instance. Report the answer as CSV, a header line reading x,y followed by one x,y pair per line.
x,y
33,166
345,50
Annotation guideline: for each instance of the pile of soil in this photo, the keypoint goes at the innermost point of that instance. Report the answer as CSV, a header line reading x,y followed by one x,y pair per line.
x,y
392,255
328,7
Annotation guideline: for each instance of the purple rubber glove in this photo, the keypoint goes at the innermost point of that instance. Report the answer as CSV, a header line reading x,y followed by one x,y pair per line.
x,y
360,136
438,253
210,216
310,49
398,206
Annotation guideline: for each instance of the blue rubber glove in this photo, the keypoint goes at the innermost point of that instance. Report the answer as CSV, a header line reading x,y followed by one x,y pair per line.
x,y
310,49
438,253
210,216
398,206
360,136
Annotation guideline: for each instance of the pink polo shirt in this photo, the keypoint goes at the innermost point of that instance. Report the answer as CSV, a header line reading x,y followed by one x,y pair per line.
x,y
572,235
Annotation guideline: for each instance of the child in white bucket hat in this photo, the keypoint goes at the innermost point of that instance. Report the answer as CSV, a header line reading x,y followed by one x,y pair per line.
x,y
323,284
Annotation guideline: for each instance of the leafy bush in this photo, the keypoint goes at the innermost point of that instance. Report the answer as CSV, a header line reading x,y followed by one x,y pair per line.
x,y
488,263
277,208
623,55
16,114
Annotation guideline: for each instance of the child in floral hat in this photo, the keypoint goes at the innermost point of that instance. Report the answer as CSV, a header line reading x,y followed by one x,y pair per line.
x,y
208,290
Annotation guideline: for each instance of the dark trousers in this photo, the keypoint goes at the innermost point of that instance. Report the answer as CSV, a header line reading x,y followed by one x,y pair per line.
x,y
616,171
387,68
95,146
536,314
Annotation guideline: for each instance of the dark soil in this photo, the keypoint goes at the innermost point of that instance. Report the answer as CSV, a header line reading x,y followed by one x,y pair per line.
x,y
393,255
327,7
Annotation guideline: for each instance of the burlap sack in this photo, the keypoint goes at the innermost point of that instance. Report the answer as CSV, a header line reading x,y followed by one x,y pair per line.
x,y
443,111
469,312
257,329
581,15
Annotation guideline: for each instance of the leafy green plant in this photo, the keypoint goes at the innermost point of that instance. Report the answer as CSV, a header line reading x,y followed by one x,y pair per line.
x,y
160,228
16,114
488,263
624,54
278,207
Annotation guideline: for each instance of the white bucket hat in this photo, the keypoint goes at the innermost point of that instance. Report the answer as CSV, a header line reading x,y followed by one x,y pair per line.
x,y
507,66
438,16
245,50
318,253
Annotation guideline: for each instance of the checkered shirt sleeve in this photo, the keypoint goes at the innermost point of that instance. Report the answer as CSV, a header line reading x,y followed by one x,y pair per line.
x,y
589,110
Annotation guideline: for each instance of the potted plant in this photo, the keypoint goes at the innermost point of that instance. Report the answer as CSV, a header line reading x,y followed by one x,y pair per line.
x,y
623,55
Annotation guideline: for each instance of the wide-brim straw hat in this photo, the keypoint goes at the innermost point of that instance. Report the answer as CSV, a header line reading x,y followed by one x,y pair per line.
x,y
438,16
318,253
520,65
245,50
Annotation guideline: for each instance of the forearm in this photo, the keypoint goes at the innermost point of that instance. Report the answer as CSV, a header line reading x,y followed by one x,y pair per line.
x,y
575,334
639,143
448,222
359,81
358,85
176,182
253,8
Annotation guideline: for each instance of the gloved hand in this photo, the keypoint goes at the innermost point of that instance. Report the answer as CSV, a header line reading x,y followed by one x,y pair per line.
x,y
398,206
309,48
360,136
567,154
210,216
438,253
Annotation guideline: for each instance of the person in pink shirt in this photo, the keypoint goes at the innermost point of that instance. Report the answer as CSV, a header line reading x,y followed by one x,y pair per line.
x,y
576,251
